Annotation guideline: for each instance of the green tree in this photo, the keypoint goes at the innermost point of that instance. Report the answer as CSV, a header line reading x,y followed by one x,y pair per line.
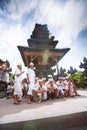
x,y
11,77
83,65
78,78
72,70
62,72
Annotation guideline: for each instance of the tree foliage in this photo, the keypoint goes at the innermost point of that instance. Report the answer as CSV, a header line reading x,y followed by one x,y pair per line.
x,y
78,78
62,72
11,77
72,70
84,66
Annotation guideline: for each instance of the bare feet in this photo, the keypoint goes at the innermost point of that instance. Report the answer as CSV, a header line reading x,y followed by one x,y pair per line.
x,y
39,101
16,103
29,102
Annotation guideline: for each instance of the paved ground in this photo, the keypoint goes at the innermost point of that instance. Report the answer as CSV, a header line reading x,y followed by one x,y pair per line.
x,y
67,110
76,121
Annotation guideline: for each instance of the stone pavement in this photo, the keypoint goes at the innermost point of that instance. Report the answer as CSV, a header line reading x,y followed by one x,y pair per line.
x,y
52,108
76,121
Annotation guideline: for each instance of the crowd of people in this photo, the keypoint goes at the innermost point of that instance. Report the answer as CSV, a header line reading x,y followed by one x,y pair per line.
x,y
38,90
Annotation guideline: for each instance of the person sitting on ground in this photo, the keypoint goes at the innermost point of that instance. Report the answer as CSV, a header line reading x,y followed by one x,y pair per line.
x,y
44,81
66,87
40,92
60,86
52,89
72,87
10,90
48,78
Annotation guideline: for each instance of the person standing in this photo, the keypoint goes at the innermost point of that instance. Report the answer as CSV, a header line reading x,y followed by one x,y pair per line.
x,y
18,84
31,81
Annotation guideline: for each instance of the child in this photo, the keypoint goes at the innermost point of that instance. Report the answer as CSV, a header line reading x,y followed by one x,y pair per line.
x,y
10,89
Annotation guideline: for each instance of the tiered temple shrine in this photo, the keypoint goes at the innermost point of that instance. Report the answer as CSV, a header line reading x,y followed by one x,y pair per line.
x,y
41,51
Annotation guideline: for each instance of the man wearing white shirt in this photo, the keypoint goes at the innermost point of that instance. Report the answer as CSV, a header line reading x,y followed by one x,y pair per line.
x,y
60,85
18,83
31,80
52,89
40,91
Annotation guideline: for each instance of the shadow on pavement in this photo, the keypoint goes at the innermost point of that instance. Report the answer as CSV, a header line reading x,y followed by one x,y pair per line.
x,y
76,121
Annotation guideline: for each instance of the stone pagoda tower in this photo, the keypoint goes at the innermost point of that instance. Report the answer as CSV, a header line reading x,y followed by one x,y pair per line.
x,y
41,51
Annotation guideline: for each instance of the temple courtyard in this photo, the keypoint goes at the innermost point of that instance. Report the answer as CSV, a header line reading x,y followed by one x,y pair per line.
x,y
63,113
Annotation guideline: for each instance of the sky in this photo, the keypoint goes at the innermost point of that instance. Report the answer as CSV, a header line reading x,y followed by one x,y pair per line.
x,y
66,20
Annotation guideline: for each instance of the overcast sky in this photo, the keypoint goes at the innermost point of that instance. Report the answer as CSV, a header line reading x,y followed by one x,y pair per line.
x,y
66,20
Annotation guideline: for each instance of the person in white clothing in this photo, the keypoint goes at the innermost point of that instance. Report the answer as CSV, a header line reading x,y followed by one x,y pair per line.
x,y
31,80
72,87
52,89
36,83
10,90
40,92
18,84
24,88
60,86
